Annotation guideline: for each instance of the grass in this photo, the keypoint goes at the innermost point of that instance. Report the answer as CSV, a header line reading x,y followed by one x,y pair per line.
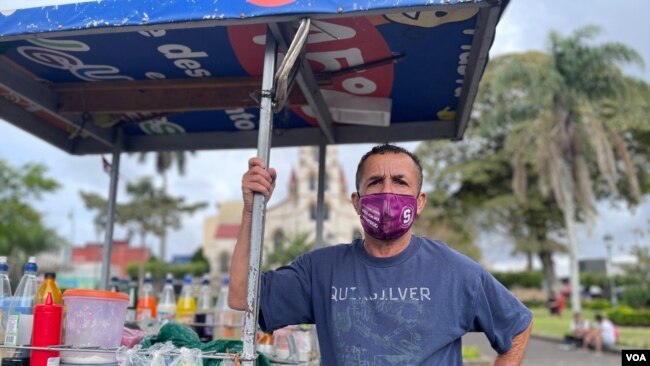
x,y
546,325
471,352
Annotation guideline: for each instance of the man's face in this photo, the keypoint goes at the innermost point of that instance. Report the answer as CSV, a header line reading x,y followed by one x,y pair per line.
x,y
390,173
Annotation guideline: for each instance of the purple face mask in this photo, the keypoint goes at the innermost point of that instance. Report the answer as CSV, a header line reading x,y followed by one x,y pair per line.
x,y
387,216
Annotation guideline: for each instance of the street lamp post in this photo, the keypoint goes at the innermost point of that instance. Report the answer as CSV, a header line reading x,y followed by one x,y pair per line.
x,y
612,285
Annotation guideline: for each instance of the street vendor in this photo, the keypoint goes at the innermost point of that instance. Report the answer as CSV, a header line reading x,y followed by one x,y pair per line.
x,y
391,297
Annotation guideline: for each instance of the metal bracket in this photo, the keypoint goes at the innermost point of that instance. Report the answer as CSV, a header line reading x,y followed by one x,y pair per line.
x,y
308,85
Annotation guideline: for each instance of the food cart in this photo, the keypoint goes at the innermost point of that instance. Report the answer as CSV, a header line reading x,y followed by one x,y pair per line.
x,y
114,76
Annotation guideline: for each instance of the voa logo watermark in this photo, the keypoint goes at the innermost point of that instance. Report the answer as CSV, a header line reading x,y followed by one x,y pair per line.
x,y
635,357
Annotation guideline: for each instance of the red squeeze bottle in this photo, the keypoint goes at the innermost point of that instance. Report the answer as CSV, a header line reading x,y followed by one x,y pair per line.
x,y
46,332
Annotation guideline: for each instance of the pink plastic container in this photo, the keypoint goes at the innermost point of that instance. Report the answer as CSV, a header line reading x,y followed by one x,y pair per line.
x,y
93,319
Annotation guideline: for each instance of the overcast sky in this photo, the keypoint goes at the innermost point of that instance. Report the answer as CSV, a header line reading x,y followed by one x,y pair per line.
x,y
215,176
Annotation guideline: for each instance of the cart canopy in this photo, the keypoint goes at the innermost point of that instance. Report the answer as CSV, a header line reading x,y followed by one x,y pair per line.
x,y
155,75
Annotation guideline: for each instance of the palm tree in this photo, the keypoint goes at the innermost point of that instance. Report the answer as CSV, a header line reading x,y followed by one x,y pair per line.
x,y
565,99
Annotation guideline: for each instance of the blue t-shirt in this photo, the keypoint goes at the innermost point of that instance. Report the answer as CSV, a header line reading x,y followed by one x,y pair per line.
x,y
409,309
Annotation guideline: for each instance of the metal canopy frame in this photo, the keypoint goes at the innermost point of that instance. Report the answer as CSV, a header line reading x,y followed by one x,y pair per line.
x,y
57,102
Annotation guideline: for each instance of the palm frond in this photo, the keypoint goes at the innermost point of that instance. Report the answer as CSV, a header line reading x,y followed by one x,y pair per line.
x,y
596,136
630,172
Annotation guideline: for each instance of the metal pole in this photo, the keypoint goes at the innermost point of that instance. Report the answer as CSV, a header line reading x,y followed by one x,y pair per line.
x,y
612,284
320,198
259,204
110,217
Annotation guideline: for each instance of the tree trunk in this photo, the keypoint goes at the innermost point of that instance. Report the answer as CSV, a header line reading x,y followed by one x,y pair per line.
x,y
163,237
576,306
163,245
548,269
529,261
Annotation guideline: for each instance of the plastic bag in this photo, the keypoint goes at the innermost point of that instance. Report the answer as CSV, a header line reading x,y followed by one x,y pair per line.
x,y
188,357
162,354
182,336
131,357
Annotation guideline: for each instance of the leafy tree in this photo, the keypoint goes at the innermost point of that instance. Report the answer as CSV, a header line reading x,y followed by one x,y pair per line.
x,y
471,189
165,160
22,231
198,257
291,248
149,211
564,128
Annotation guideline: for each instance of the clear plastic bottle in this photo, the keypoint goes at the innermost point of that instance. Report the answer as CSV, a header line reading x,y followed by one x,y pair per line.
x,y
147,303
5,294
229,321
20,314
167,301
49,286
186,308
204,317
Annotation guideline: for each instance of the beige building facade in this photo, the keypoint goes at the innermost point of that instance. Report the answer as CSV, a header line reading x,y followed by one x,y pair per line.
x,y
294,215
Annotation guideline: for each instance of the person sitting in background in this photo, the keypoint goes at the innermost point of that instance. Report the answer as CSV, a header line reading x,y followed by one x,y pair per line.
x,y
602,333
579,328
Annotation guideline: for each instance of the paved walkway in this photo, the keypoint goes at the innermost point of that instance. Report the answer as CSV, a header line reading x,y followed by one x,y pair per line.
x,y
542,352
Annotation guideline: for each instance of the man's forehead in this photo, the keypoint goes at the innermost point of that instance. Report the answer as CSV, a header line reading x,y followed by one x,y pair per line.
x,y
397,163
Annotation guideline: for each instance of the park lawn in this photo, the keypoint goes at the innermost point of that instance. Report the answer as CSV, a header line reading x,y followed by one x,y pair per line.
x,y
546,325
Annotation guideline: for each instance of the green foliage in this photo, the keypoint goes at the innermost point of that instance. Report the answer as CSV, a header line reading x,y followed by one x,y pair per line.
x,y
198,257
640,271
597,304
637,296
626,316
528,279
159,269
21,225
291,248
594,279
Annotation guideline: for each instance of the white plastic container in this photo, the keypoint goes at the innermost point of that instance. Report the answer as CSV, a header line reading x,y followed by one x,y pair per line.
x,y
93,319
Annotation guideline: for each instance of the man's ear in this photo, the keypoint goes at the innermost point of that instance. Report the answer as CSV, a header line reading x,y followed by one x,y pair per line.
x,y
355,202
422,201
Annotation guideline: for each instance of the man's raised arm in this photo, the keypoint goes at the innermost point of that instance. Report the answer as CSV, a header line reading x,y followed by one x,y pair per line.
x,y
256,179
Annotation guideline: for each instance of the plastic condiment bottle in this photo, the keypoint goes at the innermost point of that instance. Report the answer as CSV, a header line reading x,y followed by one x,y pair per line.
x,y
167,302
229,321
5,293
204,311
48,318
20,318
186,307
5,299
147,303
49,287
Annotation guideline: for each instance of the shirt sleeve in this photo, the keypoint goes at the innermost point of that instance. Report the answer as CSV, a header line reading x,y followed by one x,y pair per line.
x,y
285,295
498,314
